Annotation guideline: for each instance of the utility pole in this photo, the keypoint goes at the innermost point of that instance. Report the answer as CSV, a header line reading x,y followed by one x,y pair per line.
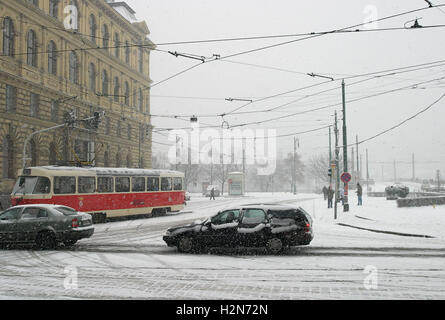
x,y
354,175
395,172
294,172
358,161
337,169
414,168
438,180
345,147
367,171
330,155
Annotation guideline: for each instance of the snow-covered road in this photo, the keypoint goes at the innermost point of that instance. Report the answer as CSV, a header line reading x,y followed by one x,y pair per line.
x,y
129,260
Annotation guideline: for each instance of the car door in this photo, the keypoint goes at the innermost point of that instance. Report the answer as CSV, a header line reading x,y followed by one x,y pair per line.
x,y
223,229
32,220
8,224
252,227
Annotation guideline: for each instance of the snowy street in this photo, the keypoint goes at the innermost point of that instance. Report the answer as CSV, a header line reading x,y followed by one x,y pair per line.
x,y
129,260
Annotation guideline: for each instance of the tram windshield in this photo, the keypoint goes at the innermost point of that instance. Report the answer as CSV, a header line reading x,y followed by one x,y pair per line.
x,y
32,185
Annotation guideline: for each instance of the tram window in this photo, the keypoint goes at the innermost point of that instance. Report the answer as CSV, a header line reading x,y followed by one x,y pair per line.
x,y
105,184
152,184
87,184
122,184
64,185
177,183
43,186
138,184
166,184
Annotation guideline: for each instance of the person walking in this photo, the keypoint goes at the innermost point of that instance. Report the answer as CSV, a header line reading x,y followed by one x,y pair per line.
x,y
330,196
212,194
359,194
325,192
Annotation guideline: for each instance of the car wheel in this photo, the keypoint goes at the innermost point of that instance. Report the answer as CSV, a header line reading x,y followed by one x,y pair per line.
x,y
274,245
186,245
46,240
69,243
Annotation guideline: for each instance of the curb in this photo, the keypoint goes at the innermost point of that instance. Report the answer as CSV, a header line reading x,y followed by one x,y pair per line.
x,y
387,232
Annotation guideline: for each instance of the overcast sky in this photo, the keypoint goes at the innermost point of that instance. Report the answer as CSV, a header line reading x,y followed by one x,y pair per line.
x,y
203,90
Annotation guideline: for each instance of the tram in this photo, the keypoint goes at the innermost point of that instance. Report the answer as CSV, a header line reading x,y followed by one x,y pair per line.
x,y
102,192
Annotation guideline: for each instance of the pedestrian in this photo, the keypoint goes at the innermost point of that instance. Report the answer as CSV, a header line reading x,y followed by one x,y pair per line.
x,y
325,192
359,194
330,196
212,194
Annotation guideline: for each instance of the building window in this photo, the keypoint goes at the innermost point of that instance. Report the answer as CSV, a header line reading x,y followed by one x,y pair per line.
x,y
54,8
54,110
74,68
52,58
106,160
32,48
107,126
127,52
141,59
140,100
52,154
118,160
8,37
11,98
106,37
34,153
129,132
118,128
92,77
75,15
8,158
117,89
117,44
105,83
129,161
34,103
127,94
93,28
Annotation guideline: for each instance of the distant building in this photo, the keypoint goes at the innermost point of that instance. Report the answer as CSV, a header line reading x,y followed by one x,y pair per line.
x,y
44,73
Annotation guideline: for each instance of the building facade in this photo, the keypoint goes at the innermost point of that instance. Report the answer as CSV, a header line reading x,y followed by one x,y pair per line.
x,y
80,56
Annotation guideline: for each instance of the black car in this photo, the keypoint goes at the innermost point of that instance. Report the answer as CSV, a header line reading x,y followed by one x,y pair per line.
x,y
396,191
271,226
45,225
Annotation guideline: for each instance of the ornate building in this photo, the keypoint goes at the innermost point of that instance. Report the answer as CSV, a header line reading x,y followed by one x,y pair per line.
x,y
85,56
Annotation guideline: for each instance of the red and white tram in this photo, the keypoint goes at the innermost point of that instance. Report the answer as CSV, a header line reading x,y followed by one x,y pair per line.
x,y
102,192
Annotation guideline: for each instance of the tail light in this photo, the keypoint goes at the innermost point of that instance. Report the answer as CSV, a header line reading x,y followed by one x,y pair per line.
x,y
307,227
75,223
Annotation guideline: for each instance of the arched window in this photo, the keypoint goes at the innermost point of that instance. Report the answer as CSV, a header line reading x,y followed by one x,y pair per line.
x,y
129,132
127,52
54,8
106,37
31,48
118,128
129,161
8,37
74,68
127,94
52,58
105,83
93,28
117,43
8,158
92,77
117,89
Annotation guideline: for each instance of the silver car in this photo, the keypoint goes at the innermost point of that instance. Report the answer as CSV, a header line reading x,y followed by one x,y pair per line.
x,y
45,225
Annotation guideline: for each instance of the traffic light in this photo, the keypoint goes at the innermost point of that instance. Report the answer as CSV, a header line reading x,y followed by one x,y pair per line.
x,y
329,172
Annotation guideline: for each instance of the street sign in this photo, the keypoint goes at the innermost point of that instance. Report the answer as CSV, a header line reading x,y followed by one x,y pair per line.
x,y
346,177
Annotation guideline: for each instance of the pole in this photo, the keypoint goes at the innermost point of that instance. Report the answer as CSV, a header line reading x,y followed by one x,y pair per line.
x,y
414,169
358,161
395,172
330,155
345,147
294,172
337,169
367,171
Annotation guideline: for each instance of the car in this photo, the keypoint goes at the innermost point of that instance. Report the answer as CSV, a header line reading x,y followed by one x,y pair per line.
x,y
271,226
396,191
45,225
217,192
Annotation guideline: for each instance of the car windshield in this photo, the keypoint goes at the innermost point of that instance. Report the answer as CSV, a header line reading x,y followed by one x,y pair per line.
x,y
31,185
66,211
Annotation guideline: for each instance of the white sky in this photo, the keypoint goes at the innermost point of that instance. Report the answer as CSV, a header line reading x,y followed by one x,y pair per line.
x,y
332,55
